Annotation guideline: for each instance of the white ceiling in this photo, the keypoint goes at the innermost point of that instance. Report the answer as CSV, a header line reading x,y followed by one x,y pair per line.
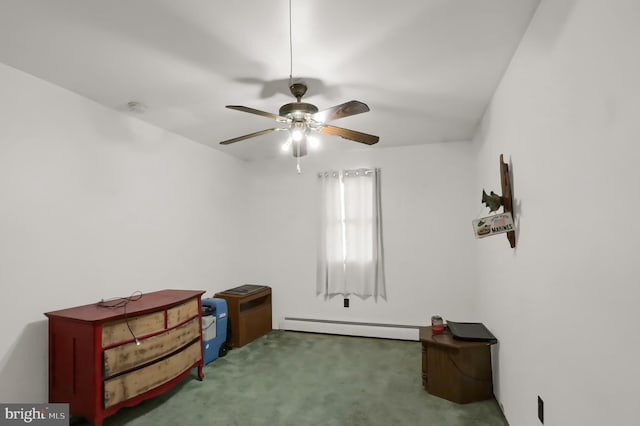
x,y
426,68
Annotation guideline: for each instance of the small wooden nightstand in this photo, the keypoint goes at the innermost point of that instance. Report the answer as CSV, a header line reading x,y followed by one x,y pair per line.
x,y
457,370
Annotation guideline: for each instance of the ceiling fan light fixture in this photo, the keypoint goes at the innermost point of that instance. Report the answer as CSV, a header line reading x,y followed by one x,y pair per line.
x,y
299,149
287,145
298,130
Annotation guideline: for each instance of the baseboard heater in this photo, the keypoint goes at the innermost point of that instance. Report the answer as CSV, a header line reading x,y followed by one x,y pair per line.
x,y
351,328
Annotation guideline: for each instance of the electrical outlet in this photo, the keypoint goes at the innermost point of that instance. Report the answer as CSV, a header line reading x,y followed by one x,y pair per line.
x,y
540,409
346,303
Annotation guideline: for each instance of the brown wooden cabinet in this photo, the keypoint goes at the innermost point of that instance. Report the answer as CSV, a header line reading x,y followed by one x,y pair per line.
x,y
249,309
104,358
457,370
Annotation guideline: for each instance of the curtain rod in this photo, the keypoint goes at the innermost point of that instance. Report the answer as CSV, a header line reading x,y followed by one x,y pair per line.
x,y
353,172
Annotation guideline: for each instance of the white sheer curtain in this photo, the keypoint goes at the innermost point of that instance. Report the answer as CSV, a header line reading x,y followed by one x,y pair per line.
x,y
350,255
330,273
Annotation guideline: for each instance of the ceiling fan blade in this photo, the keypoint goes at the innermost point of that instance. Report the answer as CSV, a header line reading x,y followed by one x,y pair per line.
x,y
340,111
258,112
250,135
349,134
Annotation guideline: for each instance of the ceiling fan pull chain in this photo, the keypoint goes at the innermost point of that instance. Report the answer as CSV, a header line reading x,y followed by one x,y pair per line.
x,y
297,147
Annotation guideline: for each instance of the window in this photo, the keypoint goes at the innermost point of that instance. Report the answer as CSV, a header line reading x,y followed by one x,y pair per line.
x,y
350,253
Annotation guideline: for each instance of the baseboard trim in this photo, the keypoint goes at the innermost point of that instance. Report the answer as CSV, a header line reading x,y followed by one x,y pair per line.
x,y
351,328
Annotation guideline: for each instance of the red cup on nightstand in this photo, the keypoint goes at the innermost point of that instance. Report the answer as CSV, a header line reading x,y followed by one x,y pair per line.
x,y
437,325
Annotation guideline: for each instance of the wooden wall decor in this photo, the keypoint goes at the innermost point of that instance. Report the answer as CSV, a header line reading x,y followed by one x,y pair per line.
x,y
500,222
507,197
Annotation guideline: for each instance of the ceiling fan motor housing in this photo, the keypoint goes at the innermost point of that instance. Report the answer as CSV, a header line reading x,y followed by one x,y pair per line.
x,y
297,109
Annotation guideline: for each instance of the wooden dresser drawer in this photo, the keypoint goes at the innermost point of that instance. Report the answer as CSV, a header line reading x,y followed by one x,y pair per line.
x,y
128,356
181,313
129,385
118,331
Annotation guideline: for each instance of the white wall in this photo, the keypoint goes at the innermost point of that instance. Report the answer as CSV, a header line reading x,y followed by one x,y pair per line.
x,y
427,207
96,205
564,303
93,205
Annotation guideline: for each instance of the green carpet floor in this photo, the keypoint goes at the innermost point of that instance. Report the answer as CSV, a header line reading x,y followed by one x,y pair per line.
x,y
290,378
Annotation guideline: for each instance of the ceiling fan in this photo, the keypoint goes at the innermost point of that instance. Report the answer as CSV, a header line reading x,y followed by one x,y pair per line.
x,y
302,118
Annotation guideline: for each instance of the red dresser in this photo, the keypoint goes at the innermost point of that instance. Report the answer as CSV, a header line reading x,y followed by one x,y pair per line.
x,y
103,358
